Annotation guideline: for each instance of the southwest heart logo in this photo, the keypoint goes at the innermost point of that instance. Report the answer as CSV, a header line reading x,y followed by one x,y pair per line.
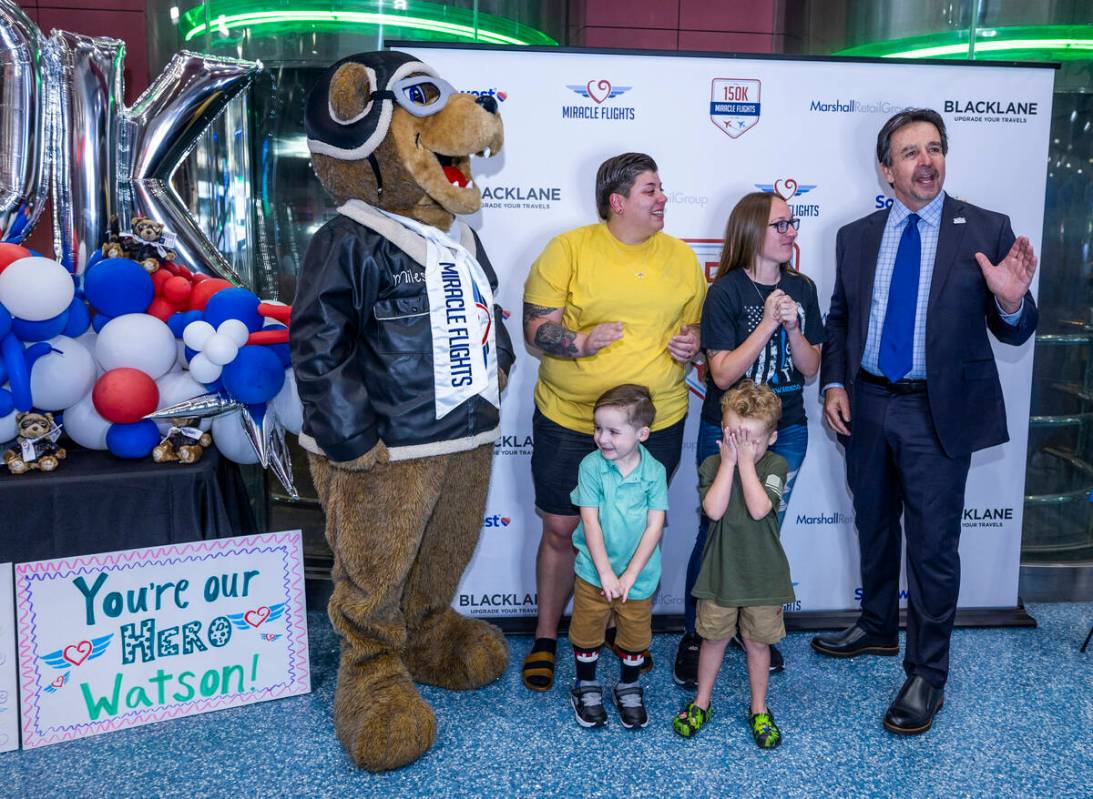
x,y
505,520
502,96
598,90
256,617
77,653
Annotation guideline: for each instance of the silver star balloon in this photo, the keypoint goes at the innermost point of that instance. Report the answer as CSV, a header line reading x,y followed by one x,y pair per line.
x,y
205,406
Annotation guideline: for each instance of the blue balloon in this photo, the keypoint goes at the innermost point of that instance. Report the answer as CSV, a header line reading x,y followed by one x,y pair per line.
x,y
177,323
7,404
34,352
35,253
18,376
280,350
215,387
117,286
234,303
256,375
94,259
40,331
136,440
5,321
79,319
98,321
257,413
189,353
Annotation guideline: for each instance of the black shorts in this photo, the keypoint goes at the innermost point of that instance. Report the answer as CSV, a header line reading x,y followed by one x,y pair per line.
x,y
557,452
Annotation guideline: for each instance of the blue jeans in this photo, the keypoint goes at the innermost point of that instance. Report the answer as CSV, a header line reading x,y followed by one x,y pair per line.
x,y
791,444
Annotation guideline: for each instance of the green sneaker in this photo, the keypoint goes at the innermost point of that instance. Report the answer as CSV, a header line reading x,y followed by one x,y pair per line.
x,y
690,720
766,732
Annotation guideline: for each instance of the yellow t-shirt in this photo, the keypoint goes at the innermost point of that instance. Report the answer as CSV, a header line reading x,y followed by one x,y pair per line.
x,y
653,288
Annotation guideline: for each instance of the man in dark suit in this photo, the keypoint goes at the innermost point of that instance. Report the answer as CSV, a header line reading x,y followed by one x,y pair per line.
x,y
910,385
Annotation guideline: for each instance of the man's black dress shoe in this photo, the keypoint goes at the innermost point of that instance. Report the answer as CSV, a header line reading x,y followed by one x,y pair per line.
x,y
913,710
854,641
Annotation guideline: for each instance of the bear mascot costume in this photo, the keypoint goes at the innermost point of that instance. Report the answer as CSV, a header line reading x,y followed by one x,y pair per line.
x,y
400,354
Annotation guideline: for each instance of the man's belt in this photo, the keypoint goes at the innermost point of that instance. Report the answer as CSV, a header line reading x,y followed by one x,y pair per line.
x,y
899,387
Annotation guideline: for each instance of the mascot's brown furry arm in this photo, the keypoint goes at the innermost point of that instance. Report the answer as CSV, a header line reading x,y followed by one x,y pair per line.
x,y
400,354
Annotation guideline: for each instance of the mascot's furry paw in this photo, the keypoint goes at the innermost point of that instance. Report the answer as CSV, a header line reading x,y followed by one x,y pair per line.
x,y
380,718
366,462
456,652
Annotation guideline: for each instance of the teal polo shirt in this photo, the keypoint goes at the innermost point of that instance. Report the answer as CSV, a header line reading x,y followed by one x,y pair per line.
x,y
624,504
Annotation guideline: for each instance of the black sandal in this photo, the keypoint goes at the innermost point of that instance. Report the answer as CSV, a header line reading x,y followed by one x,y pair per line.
x,y
538,670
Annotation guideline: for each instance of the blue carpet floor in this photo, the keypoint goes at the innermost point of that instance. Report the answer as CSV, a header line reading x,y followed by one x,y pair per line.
x,y
1017,722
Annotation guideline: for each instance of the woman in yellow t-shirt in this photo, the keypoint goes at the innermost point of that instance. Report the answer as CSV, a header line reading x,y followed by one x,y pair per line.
x,y
610,303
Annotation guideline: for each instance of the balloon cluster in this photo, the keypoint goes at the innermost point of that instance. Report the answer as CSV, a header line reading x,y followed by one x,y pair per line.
x,y
129,351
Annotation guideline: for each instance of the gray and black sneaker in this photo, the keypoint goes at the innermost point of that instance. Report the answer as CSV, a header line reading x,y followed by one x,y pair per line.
x,y
587,700
630,700
685,671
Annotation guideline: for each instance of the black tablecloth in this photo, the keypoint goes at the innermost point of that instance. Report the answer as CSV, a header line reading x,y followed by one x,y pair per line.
x,y
95,502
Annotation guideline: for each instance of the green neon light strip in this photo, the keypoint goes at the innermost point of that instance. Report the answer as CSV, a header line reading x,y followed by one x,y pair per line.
x,y
226,22
1032,42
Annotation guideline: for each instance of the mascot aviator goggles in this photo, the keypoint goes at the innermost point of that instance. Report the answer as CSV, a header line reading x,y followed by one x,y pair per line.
x,y
420,95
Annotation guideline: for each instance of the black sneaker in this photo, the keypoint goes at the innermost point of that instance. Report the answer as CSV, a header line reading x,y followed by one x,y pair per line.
x,y
587,700
685,672
630,700
777,662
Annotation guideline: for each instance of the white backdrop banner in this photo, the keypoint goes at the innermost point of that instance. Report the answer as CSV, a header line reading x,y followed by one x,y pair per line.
x,y
9,703
719,128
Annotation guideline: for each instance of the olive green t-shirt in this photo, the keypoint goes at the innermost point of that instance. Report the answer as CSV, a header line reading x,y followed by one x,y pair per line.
x,y
743,564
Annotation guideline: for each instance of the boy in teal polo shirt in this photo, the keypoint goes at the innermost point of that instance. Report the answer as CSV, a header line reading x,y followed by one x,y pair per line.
x,y
622,492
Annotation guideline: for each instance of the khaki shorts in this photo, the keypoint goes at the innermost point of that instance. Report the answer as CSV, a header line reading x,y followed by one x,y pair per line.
x,y
591,611
763,623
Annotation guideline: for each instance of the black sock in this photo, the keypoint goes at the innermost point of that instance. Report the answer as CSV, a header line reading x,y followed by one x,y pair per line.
x,y
586,660
545,645
630,664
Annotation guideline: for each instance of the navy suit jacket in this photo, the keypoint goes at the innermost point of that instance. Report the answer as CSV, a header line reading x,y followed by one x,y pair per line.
x,y
961,377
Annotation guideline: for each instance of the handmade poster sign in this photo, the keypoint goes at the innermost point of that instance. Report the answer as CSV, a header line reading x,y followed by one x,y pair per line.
x,y
127,638
9,706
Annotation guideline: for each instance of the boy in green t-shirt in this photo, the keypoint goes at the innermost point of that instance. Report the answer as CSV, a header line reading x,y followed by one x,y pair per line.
x,y
744,580
622,492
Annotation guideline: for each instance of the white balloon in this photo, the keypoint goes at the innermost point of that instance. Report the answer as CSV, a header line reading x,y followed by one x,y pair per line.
x,y
231,439
138,341
287,405
83,425
36,288
9,429
175,387
235,329
220,349
203,370
196,333
181,360
60,379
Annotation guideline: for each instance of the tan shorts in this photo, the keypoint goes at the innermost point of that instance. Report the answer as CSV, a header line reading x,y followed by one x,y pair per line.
x,y
763,623
591,611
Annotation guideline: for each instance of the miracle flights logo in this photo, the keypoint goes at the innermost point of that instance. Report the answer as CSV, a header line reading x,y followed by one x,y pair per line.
x,y
790,191
734,104
598,92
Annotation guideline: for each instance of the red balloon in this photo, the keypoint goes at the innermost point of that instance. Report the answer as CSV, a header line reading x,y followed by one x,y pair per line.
x,y
159,280
177,290
125,395
278,336
197,277
161,308
182,271
11,252
199,297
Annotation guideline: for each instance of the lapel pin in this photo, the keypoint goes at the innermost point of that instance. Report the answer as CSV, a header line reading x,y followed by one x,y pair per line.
x,y
958,220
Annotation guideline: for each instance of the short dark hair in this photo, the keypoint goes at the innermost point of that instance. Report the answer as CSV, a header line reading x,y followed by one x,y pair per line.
x,y
616,176
907,117
635,399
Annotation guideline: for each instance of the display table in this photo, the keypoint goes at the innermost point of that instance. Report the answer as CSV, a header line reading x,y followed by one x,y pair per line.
x,y
95,502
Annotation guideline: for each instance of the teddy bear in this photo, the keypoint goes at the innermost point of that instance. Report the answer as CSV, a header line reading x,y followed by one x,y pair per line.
x,y
147,242
400,354
184,443
36,444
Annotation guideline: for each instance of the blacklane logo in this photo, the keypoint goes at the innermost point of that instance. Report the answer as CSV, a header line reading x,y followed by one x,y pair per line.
x,y
500,604
734,105
838,105
540,198
992,110
518,444
986,517
599,91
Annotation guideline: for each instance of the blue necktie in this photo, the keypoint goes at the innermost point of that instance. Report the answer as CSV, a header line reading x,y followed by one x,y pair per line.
x,y
897,338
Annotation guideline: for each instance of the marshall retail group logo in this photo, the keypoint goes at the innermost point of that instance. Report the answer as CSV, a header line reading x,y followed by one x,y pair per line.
x,y
734,104
1004,111
790,191
599,91
837,105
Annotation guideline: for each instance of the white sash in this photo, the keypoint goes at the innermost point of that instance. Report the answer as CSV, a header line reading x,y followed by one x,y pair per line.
x,y
461,316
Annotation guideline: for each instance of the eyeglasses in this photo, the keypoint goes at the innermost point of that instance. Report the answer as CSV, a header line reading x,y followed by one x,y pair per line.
x,y
783,225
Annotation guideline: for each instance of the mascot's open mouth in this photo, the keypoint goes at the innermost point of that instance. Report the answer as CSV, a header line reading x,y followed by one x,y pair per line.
x,y
457,169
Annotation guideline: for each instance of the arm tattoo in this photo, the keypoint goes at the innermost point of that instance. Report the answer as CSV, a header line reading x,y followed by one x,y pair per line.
x,y
553,339
535,311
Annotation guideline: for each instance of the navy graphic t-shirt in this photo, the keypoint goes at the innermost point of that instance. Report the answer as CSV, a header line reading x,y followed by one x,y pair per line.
x,y
733,309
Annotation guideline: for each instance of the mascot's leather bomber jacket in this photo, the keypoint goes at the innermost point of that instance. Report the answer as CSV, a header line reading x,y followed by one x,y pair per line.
x,y
362,347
